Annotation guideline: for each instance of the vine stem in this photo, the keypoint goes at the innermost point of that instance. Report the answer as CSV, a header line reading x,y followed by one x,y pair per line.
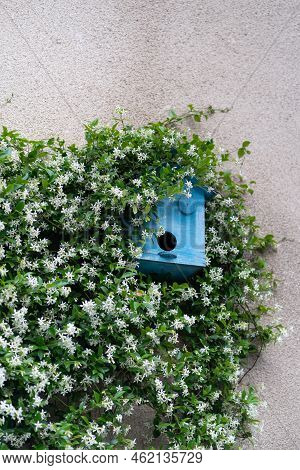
x,y
253,365
197,114
247,310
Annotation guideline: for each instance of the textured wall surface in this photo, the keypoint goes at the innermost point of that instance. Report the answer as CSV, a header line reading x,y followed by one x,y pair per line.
x,y
67,62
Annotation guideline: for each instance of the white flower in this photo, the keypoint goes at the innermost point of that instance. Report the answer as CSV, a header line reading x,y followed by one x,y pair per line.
x,y
118,153
38,425
109,305
117,192
107,403
160,231
189,320
178,324
44,324
20,322
7,207
137,182
37,401
245,273
2,252
65,291
216,274
3,377
191,151
120,110
71,329
111,349
105,225
89,306
3,270
67,343
70,276
32,281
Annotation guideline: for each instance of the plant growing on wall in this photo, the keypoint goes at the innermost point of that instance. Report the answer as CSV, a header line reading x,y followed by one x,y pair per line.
x,y
84,337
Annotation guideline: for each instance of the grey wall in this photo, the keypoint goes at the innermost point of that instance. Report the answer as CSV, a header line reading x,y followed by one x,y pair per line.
x,y
67,62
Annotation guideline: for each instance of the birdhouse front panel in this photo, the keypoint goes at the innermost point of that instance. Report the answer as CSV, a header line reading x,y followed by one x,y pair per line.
x,y
180,251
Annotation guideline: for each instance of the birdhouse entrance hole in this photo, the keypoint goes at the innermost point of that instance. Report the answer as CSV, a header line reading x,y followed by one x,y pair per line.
x,y
167,241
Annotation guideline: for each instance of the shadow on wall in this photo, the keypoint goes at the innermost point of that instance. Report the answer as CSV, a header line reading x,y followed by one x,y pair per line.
x,y
141,423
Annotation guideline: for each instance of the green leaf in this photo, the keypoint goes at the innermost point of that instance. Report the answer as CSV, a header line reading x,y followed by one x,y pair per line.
x,y
20,206
241,152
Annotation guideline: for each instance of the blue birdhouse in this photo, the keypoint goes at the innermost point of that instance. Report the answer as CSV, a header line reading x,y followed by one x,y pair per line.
x,y
179,251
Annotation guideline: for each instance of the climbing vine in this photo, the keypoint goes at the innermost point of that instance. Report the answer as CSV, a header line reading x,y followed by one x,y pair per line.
x,y
85,339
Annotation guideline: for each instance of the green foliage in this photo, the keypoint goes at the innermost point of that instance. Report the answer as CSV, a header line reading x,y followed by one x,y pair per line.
x,y
84,337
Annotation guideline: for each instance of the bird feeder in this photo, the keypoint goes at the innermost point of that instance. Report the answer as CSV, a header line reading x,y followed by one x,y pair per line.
x,y
179,252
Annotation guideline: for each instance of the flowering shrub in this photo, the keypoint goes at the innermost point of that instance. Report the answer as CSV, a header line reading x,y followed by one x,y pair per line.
x,y
84,337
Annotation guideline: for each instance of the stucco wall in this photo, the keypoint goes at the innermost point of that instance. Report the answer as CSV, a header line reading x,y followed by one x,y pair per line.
x,y
67,62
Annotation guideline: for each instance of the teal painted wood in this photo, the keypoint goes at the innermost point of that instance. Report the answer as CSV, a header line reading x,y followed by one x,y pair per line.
x,y
180,253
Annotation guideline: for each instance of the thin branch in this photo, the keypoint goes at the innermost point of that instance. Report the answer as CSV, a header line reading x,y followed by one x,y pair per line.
x,y
197,114
253,365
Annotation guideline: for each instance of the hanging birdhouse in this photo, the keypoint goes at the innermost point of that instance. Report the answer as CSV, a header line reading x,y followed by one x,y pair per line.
x,y
179,251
